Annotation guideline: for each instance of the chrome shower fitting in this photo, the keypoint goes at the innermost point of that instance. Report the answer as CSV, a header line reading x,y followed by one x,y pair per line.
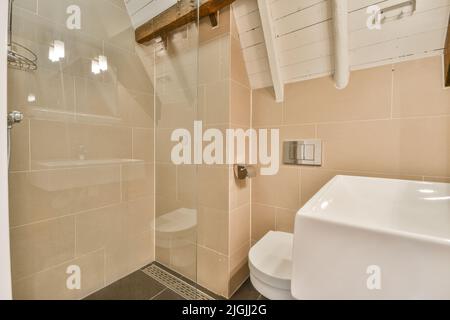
x,y
14,117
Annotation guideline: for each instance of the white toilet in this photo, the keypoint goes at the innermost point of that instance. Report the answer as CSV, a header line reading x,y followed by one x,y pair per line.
x,y
270,262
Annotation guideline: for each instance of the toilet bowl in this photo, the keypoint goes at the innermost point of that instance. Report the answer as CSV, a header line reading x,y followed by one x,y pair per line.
x,y
270,263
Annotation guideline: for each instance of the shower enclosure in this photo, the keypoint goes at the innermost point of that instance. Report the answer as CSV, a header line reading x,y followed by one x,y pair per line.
x,y
93,194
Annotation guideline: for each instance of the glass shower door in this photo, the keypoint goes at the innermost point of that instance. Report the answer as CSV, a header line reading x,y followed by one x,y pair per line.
x,y
176,102
81,177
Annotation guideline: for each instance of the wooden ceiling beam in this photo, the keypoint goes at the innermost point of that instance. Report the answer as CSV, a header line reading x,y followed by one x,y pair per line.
x,y
447,58
177,16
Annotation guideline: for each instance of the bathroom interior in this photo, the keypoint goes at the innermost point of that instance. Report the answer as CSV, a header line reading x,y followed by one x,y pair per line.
x,y
95,207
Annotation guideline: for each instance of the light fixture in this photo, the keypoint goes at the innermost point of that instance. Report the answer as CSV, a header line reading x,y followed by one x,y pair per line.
x,y
103,63
95,67
56,51
31,98
99,64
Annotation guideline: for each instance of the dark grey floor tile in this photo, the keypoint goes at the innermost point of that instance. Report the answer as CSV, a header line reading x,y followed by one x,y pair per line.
x,y
246,292
168,295
136,286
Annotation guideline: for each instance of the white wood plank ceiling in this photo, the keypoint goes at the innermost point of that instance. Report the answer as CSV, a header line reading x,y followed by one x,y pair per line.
x,y
141,11
302,31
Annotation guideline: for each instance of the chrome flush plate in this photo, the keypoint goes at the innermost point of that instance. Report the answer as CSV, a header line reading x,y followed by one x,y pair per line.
x,y
303,152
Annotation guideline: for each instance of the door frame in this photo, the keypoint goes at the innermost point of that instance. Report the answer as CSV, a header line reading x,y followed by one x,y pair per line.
x,y
5,264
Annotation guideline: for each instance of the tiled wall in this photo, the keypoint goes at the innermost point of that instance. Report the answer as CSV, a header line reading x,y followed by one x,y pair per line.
x,y
82,171
392,121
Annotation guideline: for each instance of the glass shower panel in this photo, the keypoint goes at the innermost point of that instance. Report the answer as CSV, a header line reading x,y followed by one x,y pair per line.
x,y
82,161
176,85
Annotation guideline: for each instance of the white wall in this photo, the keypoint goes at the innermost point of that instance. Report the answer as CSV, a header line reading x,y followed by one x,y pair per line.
x,y
5,269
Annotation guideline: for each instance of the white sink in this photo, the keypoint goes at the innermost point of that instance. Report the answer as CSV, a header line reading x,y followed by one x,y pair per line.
x,y
366,238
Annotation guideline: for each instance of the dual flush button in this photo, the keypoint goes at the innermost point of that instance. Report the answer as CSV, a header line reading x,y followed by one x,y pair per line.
x,y
303,152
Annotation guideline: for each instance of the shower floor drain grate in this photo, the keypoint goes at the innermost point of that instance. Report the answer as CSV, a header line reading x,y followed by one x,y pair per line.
x,y
175,284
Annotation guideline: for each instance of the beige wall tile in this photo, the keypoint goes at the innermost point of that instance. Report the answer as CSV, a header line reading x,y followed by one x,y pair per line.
x,y
238,68
39,246
285,220
131,252
212,272
99,99
127,70
43,195
266,111
431,136
179,114
183,259
217,100
360,146
263,220
368,96
162,255
281,190
187,185
166,180
51,284
53,92
240,220
388,146
213,226
239,271
214,60
53,141
143,144
240,104
213,187
100,228
138,180
27,4
20,147
419,89
164,145
138,105
140,215
240,191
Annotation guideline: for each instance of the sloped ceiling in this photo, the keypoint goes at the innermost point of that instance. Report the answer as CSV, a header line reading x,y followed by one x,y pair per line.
x,y
142,11
303,37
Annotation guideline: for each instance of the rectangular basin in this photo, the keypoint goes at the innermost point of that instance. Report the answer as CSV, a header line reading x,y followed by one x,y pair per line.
x,y
368,238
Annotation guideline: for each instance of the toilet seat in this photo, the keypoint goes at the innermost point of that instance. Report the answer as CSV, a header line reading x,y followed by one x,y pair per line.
x,y
270,263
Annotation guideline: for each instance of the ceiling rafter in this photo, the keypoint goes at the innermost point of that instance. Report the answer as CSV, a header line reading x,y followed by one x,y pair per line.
x,y
269,37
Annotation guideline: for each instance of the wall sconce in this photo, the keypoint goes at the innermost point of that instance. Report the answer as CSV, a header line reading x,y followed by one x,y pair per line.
x,y
31,98
56,51
99,64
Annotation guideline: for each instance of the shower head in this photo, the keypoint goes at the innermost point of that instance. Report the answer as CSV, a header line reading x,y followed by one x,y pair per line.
x,y
19,56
